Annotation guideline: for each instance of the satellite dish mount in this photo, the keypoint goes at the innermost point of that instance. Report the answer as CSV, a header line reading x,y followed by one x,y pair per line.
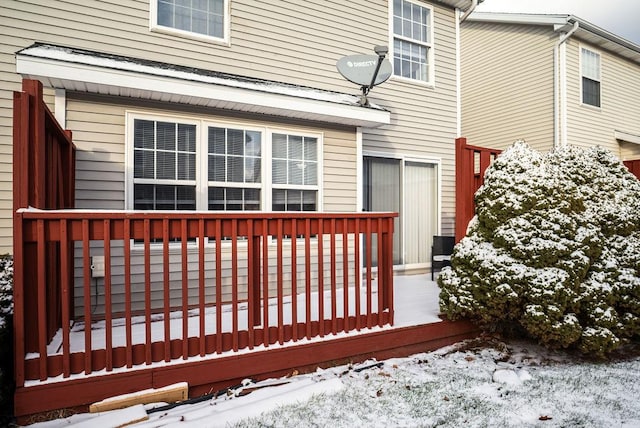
x,y
366,70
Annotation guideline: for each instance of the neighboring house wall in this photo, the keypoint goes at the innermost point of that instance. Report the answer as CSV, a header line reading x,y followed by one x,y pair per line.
x,y
507,84
620,102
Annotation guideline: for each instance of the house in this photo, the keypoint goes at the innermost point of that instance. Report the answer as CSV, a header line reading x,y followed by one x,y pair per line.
x,y
218,158
551,80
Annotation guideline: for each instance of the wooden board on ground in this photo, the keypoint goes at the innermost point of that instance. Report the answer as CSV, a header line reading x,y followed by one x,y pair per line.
x,y
168,394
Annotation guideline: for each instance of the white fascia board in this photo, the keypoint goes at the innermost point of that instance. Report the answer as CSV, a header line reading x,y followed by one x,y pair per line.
x,y
518,18
277,104
625,136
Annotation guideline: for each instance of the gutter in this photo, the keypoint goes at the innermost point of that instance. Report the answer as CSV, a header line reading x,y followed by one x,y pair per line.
x,y
560,87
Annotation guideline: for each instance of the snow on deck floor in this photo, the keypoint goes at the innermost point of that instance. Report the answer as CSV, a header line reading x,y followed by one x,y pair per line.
x,y
415,298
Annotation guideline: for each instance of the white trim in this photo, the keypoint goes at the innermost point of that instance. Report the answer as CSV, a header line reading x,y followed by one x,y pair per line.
x,y
563,93
155,27
60,107
626,136
518,18
359,171
458,77
78,72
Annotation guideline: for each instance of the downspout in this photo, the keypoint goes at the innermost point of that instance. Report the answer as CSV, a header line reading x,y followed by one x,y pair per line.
x,y
560,88
464,16
468,12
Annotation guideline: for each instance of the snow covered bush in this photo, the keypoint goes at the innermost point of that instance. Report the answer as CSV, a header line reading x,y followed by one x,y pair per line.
x,y
6,340
554,249
6,289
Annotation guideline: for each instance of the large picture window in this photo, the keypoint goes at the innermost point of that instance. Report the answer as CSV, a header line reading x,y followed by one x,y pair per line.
x,y
206,19
412,40
200,165
590,70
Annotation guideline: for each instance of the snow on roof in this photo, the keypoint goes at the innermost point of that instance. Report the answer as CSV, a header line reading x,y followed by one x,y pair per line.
x,y
137,65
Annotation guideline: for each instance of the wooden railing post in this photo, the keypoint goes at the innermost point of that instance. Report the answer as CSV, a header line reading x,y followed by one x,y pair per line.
x,y
464,177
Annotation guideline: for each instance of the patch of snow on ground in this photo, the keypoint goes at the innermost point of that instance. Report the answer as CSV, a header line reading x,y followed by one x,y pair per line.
x,y
483,382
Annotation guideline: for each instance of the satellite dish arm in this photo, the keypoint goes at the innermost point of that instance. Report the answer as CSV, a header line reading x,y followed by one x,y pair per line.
x,y
366,89
382,52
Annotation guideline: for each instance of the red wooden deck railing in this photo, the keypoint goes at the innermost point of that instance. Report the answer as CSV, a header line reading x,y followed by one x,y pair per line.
x,y
471,163
264,267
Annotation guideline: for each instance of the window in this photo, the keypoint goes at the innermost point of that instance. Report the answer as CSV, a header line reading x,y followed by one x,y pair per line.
x,y
412,40
199,165
205,19
590,68
294,172
234,169
164,174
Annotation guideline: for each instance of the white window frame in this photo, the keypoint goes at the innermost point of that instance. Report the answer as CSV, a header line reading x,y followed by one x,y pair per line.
x,y
202,125
318,187
155,27
202,185
430,82
582,76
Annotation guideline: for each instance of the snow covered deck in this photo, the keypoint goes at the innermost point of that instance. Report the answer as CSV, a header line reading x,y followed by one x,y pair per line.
x,y
417,327
416,303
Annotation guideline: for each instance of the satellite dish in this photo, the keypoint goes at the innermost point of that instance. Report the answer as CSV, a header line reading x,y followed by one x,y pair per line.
x,y
366,70
360,69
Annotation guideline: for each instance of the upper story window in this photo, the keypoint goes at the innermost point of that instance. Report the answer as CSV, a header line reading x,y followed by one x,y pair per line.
x,y
182,164
590,71
412,40
201,19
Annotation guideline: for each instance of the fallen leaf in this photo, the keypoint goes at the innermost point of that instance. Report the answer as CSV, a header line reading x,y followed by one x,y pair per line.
x,y
446,398
379,393
545,418
469,358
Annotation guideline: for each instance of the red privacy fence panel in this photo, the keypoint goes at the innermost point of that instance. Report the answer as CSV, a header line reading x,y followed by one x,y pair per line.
x,y
634,167
471,163
43,177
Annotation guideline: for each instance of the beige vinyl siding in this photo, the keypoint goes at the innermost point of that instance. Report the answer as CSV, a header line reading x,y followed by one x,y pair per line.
x,y
98,126
423,117
9,82
96,287
620,96
507,84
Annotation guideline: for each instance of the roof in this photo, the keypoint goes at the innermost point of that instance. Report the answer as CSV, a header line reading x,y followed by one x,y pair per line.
x,y
586,31
103,73
460,4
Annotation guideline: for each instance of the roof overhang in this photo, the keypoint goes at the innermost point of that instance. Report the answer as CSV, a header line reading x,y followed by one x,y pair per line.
x,y
626,136
459,4
586,31
87,71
